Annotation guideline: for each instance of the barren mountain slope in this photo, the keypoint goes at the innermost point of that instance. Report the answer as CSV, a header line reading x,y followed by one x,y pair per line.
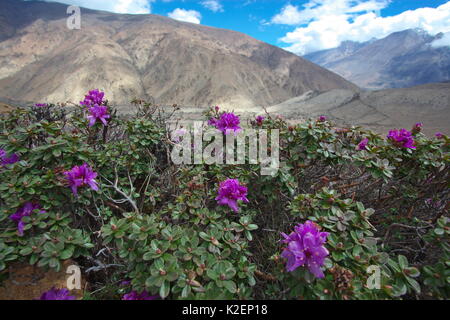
x,y
402,59
143,56
380,110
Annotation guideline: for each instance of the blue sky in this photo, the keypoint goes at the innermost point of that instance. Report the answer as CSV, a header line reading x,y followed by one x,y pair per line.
x,y
300,26
249,16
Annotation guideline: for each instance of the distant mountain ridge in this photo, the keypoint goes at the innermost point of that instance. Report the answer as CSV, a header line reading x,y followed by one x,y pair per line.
x,y
402,59
144,56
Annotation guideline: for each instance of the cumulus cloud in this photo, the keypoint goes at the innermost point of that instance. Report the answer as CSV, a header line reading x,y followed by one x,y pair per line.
x,y
191,16
213,5
117,6
324,24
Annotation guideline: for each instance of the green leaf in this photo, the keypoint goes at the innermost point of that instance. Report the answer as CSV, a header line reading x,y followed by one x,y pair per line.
x,y
412,272
164,290
230,286
414,284
186,291
26,251
403,262
399,290
67,253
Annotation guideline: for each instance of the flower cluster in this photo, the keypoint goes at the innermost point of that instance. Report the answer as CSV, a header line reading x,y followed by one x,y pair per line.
x,y
402,138
230,191
322,119
6,159
134,295
41,105
25,211
98,111
305,247
80,176
227,123
57,294
94,97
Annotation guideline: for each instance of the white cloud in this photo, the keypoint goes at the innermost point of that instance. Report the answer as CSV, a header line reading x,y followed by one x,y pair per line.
x,y
132,6
117,6
213,5
442,42
290,15
324,24
191,16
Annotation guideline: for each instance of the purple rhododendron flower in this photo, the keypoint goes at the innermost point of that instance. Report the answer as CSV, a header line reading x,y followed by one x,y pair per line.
x,y
134,295
230,191
41,105
260,119
80,176
439,135
6,159
402,138
363,144
305,247
25,211
98,113
57,294
94,97
228,123
322,119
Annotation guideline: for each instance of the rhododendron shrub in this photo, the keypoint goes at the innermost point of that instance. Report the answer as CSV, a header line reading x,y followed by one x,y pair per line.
x,y
107,196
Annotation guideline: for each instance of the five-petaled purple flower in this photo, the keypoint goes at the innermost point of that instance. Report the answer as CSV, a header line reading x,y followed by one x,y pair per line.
x,y
305,247
94,97
363,144
230,191
228,123
134,295
80,176
98,113
6,159
57,294
439,135
402,138
322,119
25,211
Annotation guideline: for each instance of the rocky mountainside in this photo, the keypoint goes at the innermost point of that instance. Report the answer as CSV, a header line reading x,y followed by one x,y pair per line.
x,y
144,56
403,59
380,110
